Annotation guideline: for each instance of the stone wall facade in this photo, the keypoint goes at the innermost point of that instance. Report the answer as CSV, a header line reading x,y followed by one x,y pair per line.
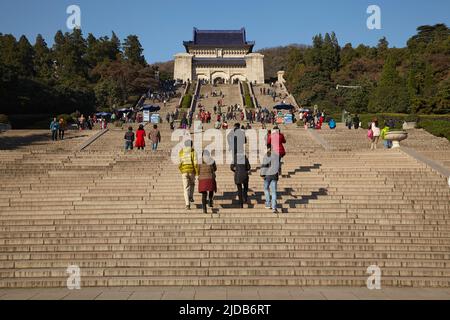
x,y
185,69
210,60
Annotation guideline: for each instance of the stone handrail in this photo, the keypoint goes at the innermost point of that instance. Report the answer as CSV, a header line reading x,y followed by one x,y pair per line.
x,y
252,94
195,97
290,96
92,139
184,93
241,93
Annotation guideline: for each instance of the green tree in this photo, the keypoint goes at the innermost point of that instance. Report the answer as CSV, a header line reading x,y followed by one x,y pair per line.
x,y
25,56
391,94
8,51
42,59
382,48
133,50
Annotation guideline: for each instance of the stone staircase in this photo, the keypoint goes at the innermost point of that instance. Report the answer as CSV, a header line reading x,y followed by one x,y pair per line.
x,y
120,217
231,92
265,100
171,105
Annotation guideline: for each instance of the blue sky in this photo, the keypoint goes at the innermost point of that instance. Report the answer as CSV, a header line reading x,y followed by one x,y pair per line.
x,y
162,25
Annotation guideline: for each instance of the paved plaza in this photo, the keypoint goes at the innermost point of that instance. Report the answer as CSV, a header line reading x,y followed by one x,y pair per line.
x,y
226,293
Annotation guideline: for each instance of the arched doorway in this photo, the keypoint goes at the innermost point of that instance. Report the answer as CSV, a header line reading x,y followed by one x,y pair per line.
x,y
235,78
219,77
202,78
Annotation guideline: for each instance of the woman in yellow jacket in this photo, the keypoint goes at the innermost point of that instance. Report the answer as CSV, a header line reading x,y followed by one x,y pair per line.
x,y
384,132
189,169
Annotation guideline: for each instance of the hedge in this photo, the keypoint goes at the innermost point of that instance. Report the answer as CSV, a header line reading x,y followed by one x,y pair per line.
x,y
439,128
247,97
248,101
186,102
67,118
4,119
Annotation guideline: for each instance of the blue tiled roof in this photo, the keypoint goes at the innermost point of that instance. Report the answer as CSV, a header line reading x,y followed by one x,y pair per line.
x,y
219,37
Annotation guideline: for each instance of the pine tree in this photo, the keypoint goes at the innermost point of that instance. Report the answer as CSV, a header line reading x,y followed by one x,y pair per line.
x,y
115,49
8,51
133,50
391,94
42,58
382,47
25,54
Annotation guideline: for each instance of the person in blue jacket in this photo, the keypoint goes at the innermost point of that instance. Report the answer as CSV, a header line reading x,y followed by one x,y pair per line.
x,y
54,127
332,124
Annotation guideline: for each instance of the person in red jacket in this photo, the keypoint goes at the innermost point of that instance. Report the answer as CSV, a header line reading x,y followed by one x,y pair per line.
x,y
275,142
140,138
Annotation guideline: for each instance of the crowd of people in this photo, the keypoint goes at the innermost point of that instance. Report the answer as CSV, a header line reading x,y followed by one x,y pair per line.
x,y
189,168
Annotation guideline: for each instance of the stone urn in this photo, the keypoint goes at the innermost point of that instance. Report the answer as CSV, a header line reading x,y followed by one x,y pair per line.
x,y
396,137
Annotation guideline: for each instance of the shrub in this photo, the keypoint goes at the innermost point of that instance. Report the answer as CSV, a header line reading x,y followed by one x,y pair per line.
x,y
133,99
4,118
439,128
248,101
186,102
67,118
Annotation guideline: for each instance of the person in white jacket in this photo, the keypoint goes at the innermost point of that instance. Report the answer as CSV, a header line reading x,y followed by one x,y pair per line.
x,y
376,132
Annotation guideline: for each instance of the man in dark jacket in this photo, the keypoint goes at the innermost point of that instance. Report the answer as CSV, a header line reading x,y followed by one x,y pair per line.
x,y
241,167
129,139
270,169
236,140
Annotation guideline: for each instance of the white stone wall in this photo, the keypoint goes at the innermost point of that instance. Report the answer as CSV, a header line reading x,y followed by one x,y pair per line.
x,y
255,67
183,67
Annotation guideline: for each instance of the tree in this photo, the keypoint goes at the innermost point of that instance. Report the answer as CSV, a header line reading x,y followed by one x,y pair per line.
x,y
382,47
8,51
25,56
133,50
330,54
42,59
69,50
391,94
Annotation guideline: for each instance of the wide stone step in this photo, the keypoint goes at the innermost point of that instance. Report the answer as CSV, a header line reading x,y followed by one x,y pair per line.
x,y
225,281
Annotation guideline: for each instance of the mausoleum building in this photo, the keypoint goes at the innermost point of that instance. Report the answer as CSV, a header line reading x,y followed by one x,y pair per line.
x,y
219,56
